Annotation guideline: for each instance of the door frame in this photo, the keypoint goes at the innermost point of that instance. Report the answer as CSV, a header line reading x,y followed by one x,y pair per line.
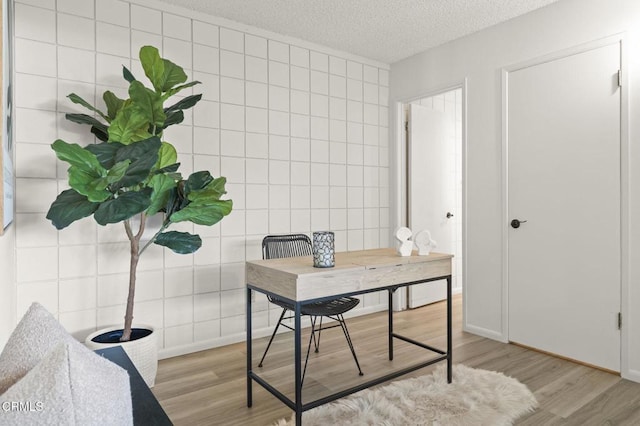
x,y
399,177
624,182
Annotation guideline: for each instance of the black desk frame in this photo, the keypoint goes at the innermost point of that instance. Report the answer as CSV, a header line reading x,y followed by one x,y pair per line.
x,y
297,405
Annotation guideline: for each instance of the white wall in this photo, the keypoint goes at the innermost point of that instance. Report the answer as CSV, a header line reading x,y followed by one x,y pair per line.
x,y
299,130
479,58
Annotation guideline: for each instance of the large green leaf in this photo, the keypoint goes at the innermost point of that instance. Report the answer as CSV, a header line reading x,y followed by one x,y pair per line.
x,y
96,189
181,196
118,171
173,117
86,119
143,156
173,201
102,135
113,103
179,242
105,152
68,207
213,191
124,207
166,156
184,103
175,114
78,100
153,66
172,91
148,103
130,125
173,74
169,170
77,156
162,73
97,128
162,185
203,213
197,180
149,147
89,184
127,74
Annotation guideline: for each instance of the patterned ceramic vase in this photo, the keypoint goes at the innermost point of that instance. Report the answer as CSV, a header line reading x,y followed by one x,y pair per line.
x,y
323,249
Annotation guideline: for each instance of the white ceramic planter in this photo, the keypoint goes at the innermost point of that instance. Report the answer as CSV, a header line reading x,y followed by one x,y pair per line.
x,y
143,352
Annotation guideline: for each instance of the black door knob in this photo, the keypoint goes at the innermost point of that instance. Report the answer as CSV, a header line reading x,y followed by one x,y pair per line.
x,y
449,215
515,223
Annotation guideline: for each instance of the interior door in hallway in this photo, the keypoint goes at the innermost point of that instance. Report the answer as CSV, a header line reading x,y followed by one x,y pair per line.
x,y
563,121
431,188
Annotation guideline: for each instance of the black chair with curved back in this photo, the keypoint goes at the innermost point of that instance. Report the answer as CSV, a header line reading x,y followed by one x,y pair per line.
x,y
291,245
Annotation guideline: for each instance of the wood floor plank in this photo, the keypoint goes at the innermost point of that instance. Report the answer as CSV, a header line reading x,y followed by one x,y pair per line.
x,y
618,405
573,390
540,417
209,387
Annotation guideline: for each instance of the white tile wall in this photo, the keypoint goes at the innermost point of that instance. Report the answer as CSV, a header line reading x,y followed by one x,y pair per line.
x,y
206,279
205,33
255,46
45,292
78,32
112,11
34,23
83,322
41,60
178,336
301,136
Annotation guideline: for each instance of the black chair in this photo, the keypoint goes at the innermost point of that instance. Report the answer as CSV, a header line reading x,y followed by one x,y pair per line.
x,y
279,246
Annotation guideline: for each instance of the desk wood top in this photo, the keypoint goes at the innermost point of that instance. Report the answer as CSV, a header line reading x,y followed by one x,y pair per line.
x,y
296,277
377,258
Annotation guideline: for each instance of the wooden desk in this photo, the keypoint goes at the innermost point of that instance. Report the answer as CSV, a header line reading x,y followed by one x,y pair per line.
x,y
297,281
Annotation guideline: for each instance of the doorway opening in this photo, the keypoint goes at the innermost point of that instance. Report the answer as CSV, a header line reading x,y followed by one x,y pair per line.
x,y
432,139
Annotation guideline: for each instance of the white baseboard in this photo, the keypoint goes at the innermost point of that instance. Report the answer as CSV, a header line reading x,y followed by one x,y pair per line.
x,y
485,332
633,375
367,310
202,345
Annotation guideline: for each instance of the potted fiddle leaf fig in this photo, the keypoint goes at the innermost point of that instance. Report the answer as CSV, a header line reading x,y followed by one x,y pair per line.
x,y
132,173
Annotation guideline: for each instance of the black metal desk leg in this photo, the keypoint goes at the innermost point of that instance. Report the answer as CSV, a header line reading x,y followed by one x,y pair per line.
x,y
449,333
390,309
298,363
249,344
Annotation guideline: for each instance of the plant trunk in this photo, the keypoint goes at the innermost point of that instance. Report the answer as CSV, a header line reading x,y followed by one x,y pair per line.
x,y
133,266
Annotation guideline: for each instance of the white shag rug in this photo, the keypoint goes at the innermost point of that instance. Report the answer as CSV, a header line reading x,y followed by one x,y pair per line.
x,y
475,397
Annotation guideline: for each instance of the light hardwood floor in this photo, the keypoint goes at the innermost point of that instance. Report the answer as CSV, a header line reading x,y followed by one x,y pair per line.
x,y
209,387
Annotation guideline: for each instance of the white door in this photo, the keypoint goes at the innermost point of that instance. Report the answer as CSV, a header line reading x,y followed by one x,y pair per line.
x,y
564,181
431,188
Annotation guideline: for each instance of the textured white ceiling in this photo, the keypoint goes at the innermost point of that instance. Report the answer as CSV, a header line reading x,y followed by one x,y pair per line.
x,y
385,30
